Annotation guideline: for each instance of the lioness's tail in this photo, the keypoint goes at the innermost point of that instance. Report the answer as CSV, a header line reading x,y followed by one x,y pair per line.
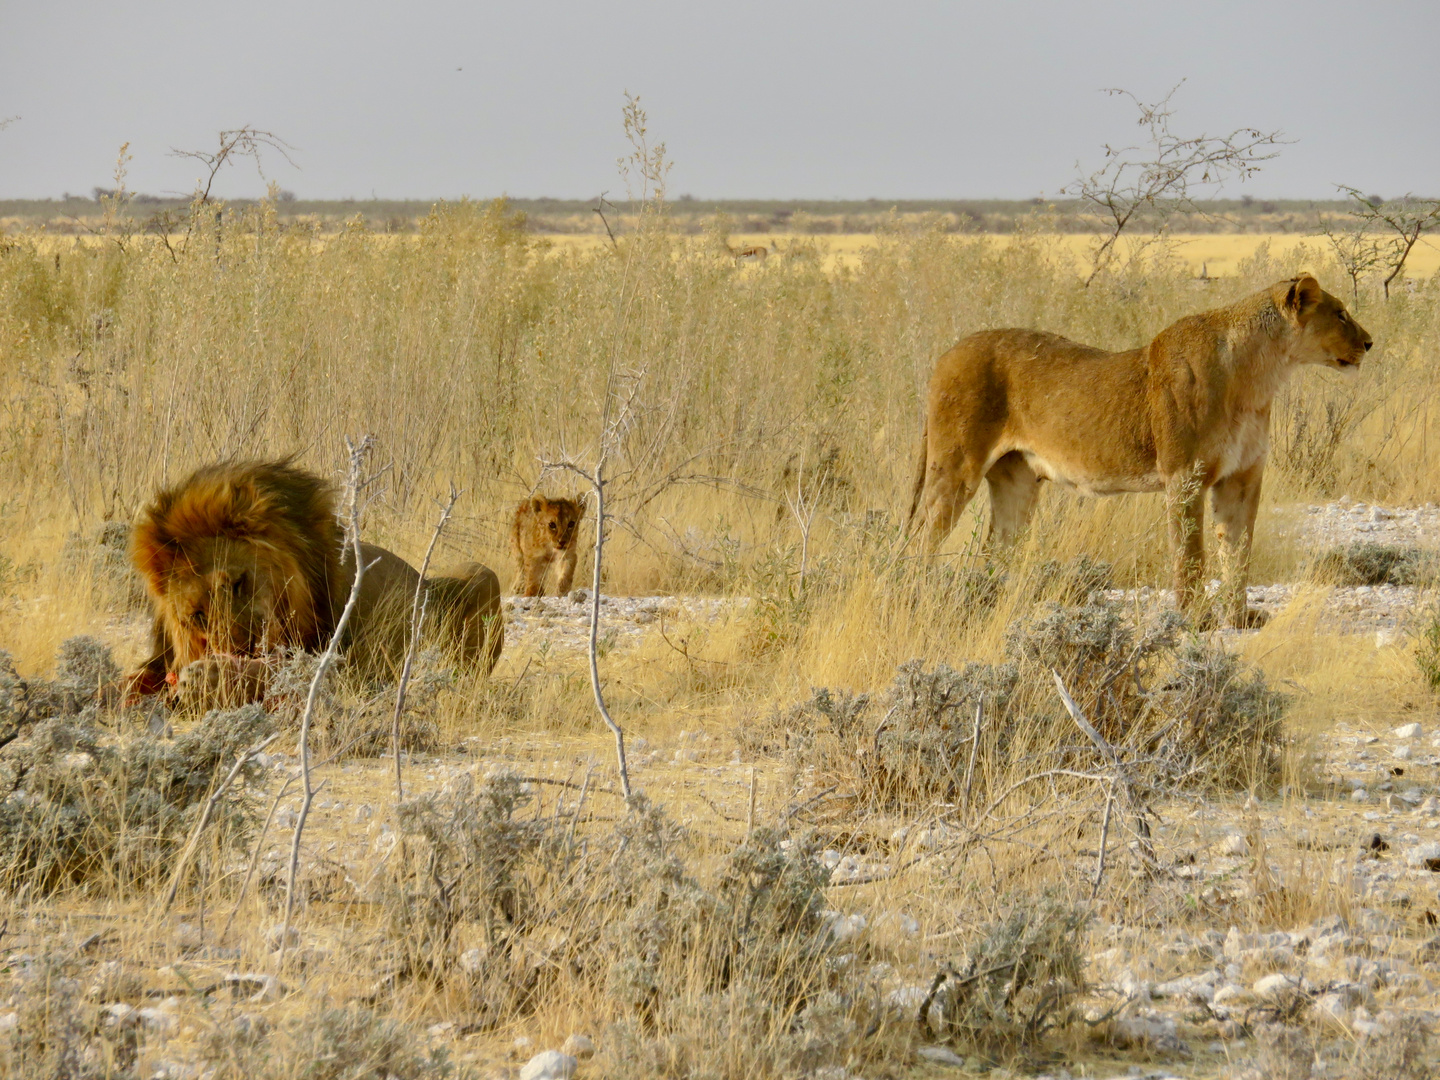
x,y
919,488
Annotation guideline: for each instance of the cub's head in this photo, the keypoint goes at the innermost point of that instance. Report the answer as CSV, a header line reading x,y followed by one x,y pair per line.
x,y
237,559
553,521
1327,333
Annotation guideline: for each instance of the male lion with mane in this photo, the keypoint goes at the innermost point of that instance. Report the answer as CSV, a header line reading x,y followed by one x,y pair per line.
x,y
245,558
1187,414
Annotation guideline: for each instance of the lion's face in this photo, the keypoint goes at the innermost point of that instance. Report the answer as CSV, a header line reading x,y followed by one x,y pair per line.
x,y
227,597
555,522
1328,333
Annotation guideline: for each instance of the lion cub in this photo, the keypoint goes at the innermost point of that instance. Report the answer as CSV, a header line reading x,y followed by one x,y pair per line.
x,y
544,533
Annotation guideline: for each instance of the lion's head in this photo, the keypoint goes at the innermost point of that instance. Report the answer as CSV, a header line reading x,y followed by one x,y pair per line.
x,y
1328,333
552,523
240,558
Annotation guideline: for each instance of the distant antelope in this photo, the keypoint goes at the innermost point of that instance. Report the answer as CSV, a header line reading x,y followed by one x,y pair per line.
x,y
756,254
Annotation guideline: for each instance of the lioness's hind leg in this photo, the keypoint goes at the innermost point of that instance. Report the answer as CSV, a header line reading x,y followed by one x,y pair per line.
x,y
949,486
1014,490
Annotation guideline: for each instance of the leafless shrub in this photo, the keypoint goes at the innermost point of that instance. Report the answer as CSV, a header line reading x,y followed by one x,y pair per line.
x,y
58,1033
346,1043
1020,980
515,908
1184,712
1163,175
80,810
1374,564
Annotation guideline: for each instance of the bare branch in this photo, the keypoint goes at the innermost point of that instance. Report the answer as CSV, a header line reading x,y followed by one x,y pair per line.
x,y
1164,172
417,618
353,484
1391,228
246,142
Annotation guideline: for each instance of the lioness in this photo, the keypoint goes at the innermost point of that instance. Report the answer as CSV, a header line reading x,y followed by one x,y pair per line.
x,y
543,534
1186,414
242,559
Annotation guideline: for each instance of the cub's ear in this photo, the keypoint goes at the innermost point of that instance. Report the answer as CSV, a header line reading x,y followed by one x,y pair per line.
x,y
1305,293
537,504
580,508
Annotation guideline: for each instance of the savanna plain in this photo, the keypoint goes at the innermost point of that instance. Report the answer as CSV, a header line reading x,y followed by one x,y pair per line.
x,y
867,834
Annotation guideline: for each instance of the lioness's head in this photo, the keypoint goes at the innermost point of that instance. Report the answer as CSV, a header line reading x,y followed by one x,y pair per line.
x,y
555,521
238,558
1327,333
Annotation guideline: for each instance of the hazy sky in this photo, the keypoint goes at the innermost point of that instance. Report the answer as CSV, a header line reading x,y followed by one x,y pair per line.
x,y
784,100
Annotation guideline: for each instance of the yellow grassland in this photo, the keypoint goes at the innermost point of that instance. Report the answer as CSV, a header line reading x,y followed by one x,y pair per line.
x,y
475,353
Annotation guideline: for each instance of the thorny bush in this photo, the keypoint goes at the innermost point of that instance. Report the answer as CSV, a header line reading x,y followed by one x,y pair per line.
x,y
1179,710
80,808
1022,977
516,908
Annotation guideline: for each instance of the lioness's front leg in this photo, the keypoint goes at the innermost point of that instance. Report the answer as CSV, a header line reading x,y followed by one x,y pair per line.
x,y
219,682
1234,502
1185,509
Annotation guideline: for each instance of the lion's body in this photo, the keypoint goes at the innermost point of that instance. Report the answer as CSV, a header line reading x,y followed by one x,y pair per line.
x,y
1186,414
244,559
543,534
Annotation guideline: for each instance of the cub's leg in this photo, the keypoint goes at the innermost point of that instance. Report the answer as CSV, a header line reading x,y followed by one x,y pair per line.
x,y
533,572
220,682
1185,508
1234,502
567,569
1014,490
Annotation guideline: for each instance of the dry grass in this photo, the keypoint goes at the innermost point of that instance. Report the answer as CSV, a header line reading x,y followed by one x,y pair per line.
x,y
473,351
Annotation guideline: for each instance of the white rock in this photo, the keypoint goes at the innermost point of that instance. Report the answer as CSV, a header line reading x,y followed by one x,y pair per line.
x,y
1359,795
1276,987
578,1046
1401,752
847,927
906,999
118,1012
1422,853
471,960
9,1021
1408,731
1156,1032
1235,844
1332,1007
440,1030
278,933
256,985
364,812
549,1065
160,1021
941,1055
1232,996
286,818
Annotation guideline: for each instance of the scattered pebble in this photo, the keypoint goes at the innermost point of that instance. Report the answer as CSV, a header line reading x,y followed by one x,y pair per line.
x,y
549,1065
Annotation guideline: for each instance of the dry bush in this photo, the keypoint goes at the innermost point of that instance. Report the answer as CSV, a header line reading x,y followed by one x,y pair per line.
x,y
729,969
343,1043
1022,978
81,809
1180,711
58,1032
1374,564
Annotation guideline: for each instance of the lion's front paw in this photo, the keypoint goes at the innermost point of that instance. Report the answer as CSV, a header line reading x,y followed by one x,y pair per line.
x,y
215,682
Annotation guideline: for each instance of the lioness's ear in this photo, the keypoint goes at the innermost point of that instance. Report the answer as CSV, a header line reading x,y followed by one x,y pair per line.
x,y
1305,293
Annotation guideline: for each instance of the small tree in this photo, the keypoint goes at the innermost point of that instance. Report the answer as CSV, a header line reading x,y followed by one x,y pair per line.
x,y
245,142
1395,226
1354,246
1163,173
